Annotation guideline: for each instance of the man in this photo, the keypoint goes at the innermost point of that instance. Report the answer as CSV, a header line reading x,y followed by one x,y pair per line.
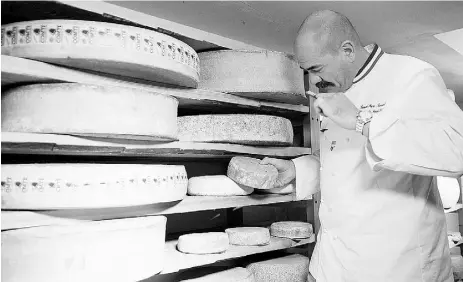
x,y
389,127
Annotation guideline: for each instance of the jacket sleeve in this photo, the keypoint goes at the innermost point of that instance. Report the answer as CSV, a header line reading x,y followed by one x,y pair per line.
x,y
420,131
307,176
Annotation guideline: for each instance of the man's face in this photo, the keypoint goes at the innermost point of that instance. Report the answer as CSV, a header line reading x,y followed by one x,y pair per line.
x,y
329,71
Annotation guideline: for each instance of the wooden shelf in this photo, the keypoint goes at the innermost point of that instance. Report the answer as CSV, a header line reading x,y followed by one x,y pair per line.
x,y
25,219
35,143
175,260
454,208
18,70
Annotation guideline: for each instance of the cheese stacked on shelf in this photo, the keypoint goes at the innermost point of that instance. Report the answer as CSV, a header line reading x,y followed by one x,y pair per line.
x,y
90,111
237,274
216,185
248,236
104,47
293,268
73,186
117,250
291,229
203,243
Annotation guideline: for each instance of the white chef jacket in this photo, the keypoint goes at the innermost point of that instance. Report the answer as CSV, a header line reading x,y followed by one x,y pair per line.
x,y
380,211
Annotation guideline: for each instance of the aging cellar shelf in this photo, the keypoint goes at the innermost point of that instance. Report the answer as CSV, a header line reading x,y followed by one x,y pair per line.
x,y
25,219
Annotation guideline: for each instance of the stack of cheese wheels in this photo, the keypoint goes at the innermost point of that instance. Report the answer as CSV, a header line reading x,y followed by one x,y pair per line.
x,y
249,172
104,47
248,236
216,185
244,129
109,250
265,75
237,274
291,229
68,186
293,268
203,243
89,110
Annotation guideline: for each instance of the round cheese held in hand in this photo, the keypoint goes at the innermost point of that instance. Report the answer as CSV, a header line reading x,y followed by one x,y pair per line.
x,y
291,229
216,185
248,236
249,172
203,243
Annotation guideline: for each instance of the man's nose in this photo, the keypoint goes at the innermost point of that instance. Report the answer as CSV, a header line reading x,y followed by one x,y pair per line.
x,y
314,79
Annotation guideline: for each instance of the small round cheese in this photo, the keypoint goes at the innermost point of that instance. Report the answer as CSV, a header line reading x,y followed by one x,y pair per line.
x,y
247,129
291,229
293,268
249,172
90,110
248,236
203,243
237,274
216,185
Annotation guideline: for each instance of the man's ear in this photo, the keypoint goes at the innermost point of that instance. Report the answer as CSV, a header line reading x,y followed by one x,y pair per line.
x,y
348,48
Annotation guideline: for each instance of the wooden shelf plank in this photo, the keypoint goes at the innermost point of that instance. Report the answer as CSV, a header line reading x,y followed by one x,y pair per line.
x,y
175,260
24,219
454,208
36,143
20,70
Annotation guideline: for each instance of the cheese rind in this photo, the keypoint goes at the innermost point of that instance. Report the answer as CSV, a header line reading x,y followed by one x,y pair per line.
x,y
203,243
244,129
237,274
249,172
291,229
248,236
90,110
104,47
110,250
71,186
288,189
265,75
293,268
216,185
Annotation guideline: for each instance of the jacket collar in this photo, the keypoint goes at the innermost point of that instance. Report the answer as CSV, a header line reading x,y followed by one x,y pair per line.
x,y
370,63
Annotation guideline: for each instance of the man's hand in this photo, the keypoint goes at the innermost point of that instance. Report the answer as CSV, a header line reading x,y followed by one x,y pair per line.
x,y
286,170
338,108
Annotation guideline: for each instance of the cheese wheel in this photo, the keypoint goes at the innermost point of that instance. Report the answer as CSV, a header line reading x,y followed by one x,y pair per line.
x,y
248,236
288,189
291,229
249,172
216,185
203,243
104,47
265,75
72,186
293,268
109,250
237,274
89,110
244,129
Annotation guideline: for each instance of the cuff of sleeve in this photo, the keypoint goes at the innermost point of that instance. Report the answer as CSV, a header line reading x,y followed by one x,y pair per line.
x,y
307,176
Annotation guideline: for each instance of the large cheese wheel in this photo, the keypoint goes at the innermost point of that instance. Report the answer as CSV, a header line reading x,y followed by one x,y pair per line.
x,y
109,250
265,75
104,47
293,268
237,274
291,229
203,243
216,185
89,110
249,172
65,186
248,236
288,189
237,129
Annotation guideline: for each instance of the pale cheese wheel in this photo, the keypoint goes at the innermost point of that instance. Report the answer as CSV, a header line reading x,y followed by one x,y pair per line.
x,y
203,243
244,129
248,236
90,110
288,189
237,274
265,75
291,229
249,172
72,186
216,185
293,268
110,250
104,47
